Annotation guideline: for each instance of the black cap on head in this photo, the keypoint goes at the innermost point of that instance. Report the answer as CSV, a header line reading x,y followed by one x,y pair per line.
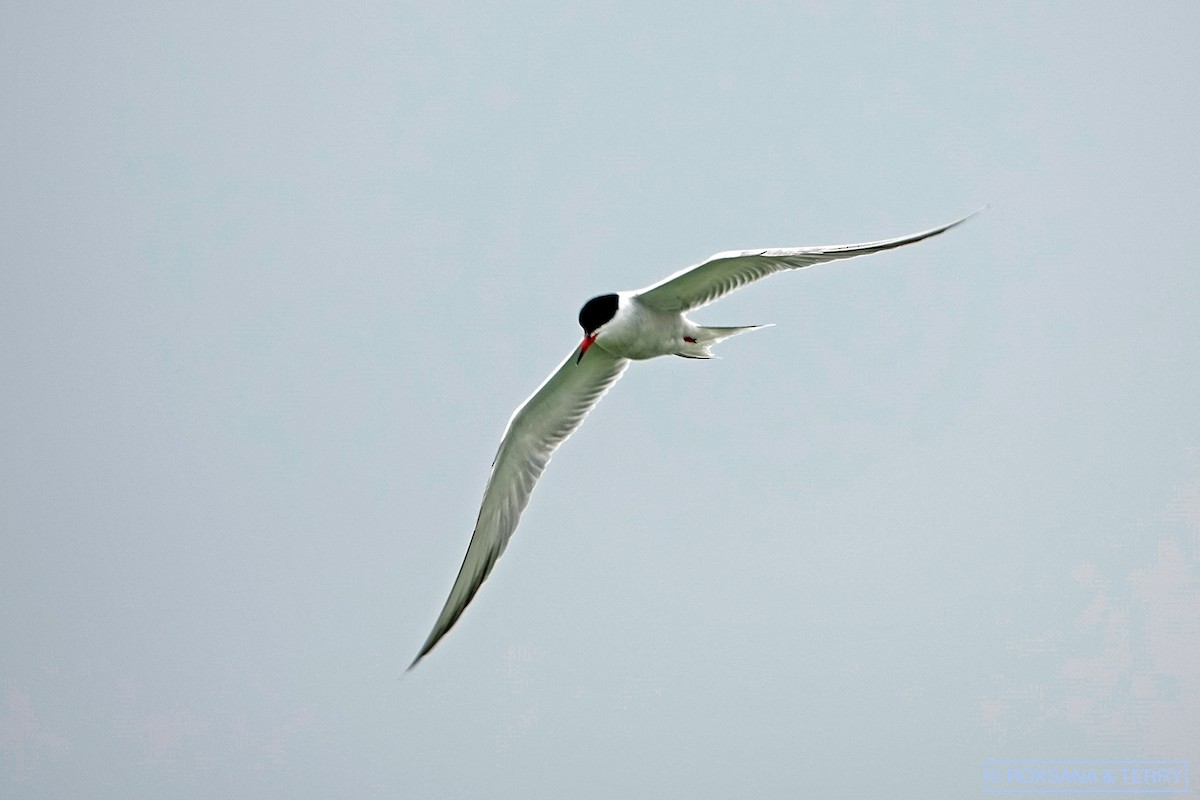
x,y
597,311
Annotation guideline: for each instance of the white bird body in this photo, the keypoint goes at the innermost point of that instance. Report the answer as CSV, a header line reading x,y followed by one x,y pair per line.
x,y
618,327
639,332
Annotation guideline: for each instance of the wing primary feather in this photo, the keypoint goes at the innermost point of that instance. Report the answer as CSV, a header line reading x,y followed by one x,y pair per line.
x,y
725,272
535,431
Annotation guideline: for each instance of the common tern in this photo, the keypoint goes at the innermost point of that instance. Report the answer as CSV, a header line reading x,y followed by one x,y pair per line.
x,y
617,328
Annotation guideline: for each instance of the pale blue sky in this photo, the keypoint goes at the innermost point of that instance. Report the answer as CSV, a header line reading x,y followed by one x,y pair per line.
x,y
275,276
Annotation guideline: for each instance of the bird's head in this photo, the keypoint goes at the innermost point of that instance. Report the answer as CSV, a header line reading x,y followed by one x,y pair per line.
x,y
594,315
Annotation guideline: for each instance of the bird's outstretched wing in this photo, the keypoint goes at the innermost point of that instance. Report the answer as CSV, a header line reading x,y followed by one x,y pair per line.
x,y
538,427
700,285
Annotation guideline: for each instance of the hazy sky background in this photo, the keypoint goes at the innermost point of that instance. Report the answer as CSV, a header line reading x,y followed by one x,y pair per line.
x,y
275,275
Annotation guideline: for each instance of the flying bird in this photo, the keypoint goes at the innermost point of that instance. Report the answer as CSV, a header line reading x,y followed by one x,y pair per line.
x,y
617,328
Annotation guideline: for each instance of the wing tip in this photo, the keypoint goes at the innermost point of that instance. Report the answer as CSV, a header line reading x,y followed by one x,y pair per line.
x,y
943,228
430,643
968,217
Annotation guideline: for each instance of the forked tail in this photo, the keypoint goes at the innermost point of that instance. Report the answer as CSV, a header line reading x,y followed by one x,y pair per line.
x,y
706,337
